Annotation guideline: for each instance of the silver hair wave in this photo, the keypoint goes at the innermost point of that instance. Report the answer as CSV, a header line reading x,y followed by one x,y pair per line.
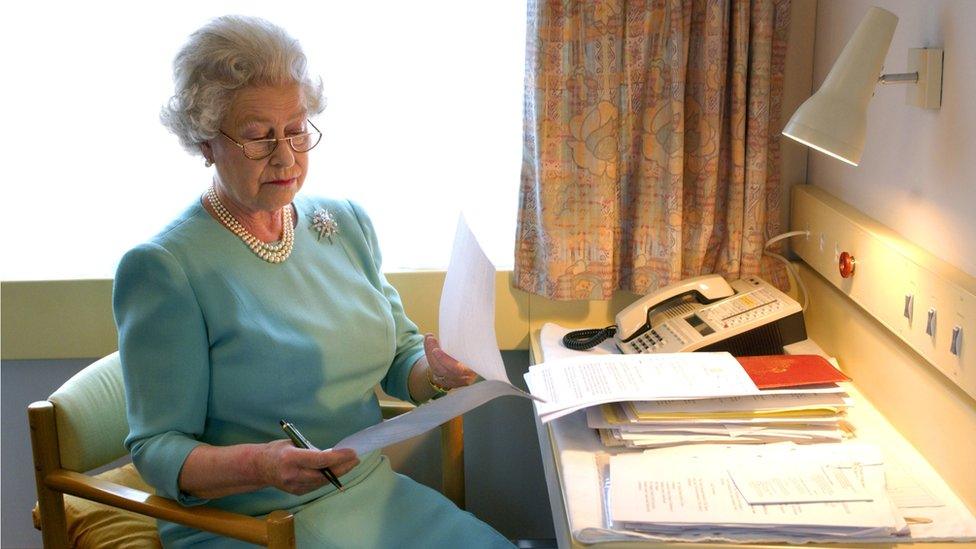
x,y
225,55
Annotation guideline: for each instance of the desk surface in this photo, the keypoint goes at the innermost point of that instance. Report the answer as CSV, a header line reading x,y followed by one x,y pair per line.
x,y
872,427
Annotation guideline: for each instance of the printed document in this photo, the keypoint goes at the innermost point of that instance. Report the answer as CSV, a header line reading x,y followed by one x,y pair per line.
x,y
763,402
572,384
797,482
652,491
467,332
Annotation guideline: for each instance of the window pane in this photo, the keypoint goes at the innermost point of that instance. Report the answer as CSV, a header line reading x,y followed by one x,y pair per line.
x,y
423,121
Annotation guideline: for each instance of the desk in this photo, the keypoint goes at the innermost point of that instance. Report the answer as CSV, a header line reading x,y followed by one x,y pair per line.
x,y
565,436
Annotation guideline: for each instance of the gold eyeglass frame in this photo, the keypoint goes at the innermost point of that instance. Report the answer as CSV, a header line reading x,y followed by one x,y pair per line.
x,y
276,141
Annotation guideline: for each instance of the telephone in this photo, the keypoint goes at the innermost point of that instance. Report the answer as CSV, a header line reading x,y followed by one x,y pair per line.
x,y
705,313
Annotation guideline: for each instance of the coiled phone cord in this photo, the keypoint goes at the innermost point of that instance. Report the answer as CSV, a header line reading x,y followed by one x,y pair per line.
x,y
581,340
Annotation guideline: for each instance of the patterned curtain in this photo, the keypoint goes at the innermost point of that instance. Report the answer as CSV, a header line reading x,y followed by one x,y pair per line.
x,y
651,148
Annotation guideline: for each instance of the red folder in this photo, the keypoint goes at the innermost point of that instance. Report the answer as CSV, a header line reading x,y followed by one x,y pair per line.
x,y
776,371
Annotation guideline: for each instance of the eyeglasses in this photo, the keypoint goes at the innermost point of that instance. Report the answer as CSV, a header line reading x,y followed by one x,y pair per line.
x,y
262,148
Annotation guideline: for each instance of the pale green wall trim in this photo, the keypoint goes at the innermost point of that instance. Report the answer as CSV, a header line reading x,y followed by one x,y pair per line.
x,y
73,318
56,319
420,292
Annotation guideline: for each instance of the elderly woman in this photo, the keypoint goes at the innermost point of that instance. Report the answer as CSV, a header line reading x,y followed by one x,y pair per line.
x,y
258,304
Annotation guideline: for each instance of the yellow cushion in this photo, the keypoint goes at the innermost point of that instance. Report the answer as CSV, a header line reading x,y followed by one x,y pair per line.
x,y
93,524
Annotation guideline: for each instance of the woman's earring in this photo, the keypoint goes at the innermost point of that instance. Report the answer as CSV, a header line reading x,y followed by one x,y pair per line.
x,y
208,163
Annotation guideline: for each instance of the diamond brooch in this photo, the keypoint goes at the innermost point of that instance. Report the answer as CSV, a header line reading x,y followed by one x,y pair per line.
x,y
325,223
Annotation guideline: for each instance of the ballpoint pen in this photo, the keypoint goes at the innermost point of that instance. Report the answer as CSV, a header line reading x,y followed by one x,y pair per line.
x,y
300,441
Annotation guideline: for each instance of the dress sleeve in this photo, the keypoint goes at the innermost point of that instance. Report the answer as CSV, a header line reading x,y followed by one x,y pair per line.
x,y
409,342
164,350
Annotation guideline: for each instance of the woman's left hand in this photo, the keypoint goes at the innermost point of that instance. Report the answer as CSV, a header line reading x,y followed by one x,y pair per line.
x,y
445,370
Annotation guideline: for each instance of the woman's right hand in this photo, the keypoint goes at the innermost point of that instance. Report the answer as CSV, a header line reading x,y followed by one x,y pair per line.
x,y
297,470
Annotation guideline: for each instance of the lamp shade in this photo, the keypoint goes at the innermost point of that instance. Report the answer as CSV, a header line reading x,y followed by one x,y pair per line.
x,y
834,120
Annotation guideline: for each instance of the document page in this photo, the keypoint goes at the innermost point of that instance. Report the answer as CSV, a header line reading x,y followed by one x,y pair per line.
x,y
905,490
466,323
427,416
802,401
765,482
467,332
644,490
571,384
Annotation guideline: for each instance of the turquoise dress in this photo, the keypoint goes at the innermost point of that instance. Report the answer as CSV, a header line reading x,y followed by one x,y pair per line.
x,y
217,345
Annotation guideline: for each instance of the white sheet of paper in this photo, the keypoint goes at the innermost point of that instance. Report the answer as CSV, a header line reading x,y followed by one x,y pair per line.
x,y
467,332
653,488
571,384
466,325
813,431
796,482
905,490
803,401
427,416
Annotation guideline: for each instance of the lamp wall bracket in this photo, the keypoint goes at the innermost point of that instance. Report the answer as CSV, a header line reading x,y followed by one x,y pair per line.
x,y
899,78
927,63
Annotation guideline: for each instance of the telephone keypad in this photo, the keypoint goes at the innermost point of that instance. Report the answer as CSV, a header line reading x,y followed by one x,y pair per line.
x,y
656,339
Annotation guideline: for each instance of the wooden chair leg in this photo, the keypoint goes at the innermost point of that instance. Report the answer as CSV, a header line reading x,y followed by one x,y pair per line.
x,y
47,458
281,530
452,460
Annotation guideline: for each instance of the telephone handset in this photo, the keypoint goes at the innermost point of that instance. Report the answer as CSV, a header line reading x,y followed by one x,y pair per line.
x,y
705,313
637,317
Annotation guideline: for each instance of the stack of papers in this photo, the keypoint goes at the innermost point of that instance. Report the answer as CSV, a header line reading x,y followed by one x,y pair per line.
x,y
801,415
778,491
570,384
659,400
933,512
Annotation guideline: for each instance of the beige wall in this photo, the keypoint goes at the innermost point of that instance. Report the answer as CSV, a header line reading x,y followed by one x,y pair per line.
x,y
797,85
918,177
918,172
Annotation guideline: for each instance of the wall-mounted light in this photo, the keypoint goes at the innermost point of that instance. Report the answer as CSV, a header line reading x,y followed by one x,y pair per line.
x,y
834,120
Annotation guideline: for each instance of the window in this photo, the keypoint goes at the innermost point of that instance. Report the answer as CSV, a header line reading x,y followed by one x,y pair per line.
x,y
424,120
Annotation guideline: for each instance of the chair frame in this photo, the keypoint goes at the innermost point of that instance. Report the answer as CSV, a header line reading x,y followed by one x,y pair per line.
x,y
276,531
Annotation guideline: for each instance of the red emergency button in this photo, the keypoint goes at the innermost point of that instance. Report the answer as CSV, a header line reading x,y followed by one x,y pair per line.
x,y
846,265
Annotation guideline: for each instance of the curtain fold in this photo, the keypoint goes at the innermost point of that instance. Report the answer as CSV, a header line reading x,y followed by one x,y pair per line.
x,y
650,147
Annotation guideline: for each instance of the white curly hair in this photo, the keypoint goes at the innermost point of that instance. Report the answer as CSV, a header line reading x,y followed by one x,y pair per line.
x,y
225,55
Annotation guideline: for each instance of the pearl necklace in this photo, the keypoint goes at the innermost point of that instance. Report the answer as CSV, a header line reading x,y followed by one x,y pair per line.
x,y
275,252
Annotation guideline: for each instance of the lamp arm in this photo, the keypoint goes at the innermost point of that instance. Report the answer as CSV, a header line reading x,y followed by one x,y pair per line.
x,y
899,78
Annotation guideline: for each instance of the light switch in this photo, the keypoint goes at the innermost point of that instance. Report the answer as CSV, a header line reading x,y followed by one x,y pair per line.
x,y
955,344
909,306
930,323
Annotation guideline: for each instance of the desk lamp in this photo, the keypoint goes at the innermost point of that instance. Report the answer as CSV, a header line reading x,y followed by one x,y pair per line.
x,y
834,119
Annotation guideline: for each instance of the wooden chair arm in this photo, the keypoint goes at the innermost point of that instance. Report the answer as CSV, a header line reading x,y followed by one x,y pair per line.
x,y
221,522
276,531
102,491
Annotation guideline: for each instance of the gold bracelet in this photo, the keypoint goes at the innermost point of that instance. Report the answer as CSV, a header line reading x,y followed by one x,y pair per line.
x,y
439,390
